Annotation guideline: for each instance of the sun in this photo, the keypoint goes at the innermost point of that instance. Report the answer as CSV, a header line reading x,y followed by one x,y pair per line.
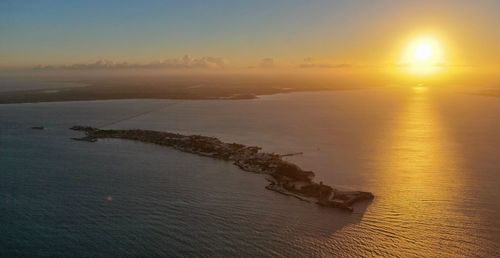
x,y
423,56
423,52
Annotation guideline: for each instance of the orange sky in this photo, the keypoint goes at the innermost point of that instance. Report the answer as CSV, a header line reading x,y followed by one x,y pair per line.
x,y
337,37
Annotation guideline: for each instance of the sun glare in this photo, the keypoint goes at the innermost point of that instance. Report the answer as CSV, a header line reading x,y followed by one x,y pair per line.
x,y
423,52
423,56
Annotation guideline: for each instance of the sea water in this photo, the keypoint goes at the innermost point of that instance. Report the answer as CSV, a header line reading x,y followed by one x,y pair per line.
x,y
429,156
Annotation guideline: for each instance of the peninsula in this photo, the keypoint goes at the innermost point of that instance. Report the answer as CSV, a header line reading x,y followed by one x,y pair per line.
x,y
284,177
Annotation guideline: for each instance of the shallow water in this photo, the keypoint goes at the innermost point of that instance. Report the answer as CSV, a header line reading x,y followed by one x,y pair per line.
x,y
429,156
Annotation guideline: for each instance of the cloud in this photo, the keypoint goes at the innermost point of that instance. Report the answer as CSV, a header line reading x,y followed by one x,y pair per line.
x,y
186,62
266,63
309,63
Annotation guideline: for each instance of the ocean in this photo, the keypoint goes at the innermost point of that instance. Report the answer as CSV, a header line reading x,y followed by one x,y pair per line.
x,y
430,156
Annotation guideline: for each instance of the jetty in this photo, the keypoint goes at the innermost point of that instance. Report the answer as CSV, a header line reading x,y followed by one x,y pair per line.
x,y
284,177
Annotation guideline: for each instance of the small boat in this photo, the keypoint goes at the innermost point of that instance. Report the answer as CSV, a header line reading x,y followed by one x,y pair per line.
x,y
85,139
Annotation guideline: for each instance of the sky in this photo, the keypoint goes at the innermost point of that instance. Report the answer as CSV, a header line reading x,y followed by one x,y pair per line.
x,y
257,33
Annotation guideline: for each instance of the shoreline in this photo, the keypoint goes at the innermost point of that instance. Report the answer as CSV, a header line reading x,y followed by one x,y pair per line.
x,y
173,91
284,177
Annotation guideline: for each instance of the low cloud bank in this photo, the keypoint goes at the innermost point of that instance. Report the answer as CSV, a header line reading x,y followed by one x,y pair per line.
x,y
310,63
186,62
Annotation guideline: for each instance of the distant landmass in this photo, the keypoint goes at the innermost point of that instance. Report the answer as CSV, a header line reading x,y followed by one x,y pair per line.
x,y
165,88
488,93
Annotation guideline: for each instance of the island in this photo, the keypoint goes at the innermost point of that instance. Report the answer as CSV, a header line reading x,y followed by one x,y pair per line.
x,y
284,177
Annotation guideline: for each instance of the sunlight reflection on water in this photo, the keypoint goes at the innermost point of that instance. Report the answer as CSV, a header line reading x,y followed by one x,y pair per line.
x,y
420,178
430,159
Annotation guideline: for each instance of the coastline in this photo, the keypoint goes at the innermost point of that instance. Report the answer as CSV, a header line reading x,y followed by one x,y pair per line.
x,y
284,177
160,90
